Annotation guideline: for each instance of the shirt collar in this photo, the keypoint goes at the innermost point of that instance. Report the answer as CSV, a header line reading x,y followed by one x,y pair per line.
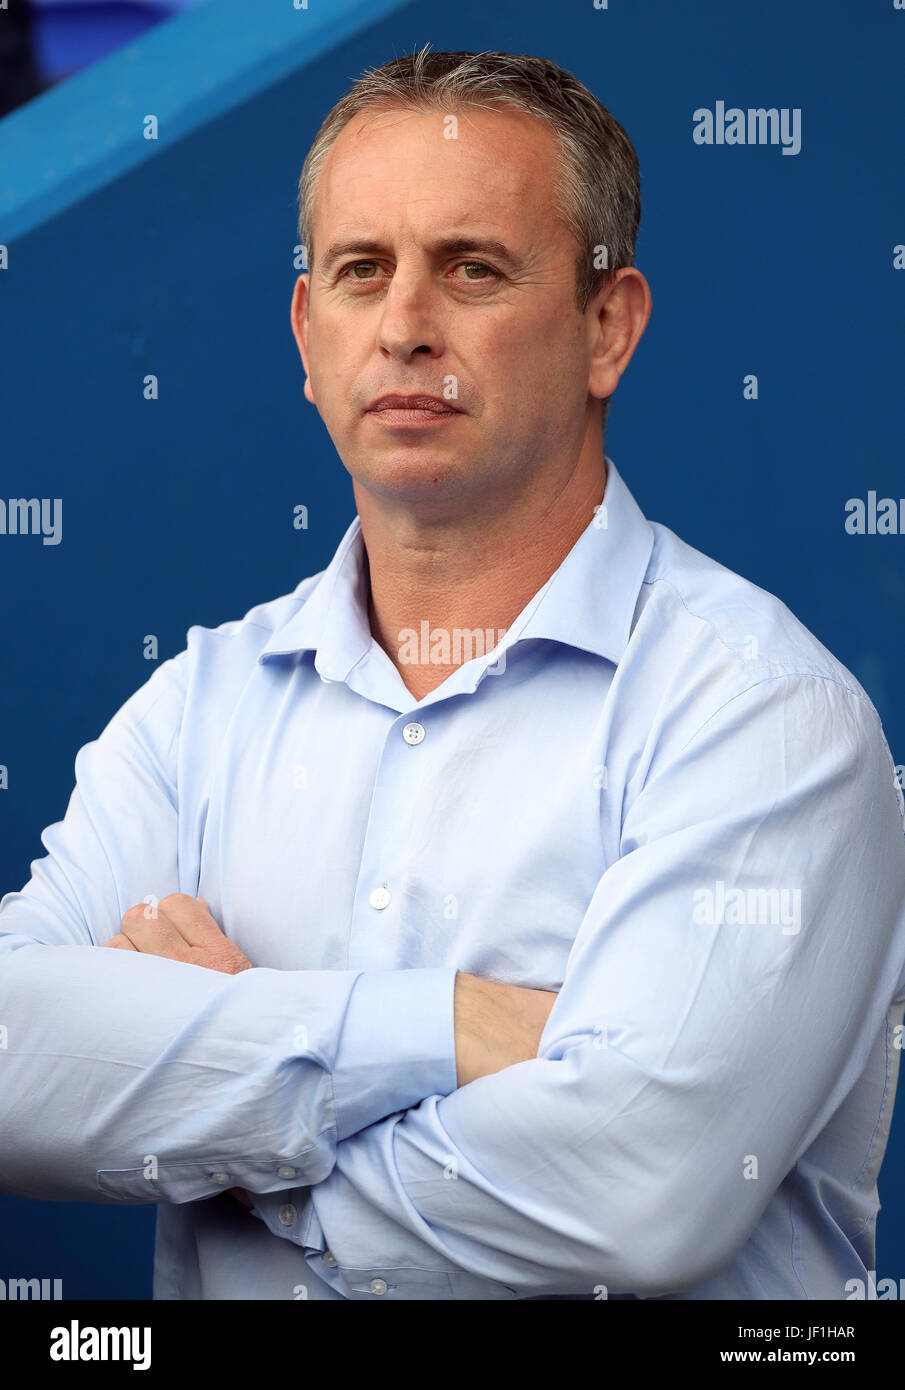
x,y
588,602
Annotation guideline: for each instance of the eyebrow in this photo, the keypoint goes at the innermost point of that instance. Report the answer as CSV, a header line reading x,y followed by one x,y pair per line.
x,y
446,246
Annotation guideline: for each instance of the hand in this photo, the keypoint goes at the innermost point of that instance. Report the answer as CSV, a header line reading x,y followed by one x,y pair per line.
x,y
496,1025
182,930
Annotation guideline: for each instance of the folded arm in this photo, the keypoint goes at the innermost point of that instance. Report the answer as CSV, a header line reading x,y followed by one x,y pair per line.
x,y
680,1046
128,1077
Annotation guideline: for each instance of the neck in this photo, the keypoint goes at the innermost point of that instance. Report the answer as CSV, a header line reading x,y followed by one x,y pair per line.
x,y
464,573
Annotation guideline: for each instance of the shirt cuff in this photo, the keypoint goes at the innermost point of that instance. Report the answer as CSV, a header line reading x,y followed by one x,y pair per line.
x,y
398,1045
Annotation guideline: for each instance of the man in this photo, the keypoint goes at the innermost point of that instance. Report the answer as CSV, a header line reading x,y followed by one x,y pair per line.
x,y
516,909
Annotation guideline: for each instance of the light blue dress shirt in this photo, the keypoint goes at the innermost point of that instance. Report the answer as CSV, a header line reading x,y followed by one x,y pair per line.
x,y
659,795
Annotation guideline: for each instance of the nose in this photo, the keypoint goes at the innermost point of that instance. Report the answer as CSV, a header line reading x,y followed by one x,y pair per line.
x,y
409,317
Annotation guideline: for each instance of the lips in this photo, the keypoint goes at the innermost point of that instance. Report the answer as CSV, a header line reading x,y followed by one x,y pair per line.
x,y
434,404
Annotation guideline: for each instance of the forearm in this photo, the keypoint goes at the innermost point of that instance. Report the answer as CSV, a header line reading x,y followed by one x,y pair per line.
x,y
134,1078
497,1025
509,1182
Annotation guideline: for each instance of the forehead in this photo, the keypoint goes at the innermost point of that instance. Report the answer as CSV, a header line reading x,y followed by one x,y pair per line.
x,y
501,163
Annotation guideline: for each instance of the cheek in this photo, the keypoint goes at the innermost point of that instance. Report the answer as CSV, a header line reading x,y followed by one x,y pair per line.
x,y
561,350
329,363
504,359
329,339
523,368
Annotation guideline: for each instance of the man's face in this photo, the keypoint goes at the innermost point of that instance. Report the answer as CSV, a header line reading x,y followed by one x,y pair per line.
x,y
397,312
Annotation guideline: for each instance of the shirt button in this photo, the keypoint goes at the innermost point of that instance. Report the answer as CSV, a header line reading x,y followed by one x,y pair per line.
x,y
285,1171
413,733
329,1259
287,1215
379,897
378,1286
327,680
220,1177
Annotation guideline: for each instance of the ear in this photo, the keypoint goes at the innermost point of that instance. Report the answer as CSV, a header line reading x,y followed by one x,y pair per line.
x,y
298,317
617,317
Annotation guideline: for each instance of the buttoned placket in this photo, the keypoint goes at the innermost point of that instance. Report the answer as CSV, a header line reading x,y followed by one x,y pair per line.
x,y
378,892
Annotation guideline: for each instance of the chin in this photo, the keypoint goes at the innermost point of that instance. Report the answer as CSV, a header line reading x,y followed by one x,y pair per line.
x,y
411,476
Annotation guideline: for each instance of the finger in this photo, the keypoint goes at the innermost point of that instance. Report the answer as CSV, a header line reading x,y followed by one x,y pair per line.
x,y
120,942
192,919
157,937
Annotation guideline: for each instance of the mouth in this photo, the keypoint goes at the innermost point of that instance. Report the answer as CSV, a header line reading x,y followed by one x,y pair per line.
x,y
412,410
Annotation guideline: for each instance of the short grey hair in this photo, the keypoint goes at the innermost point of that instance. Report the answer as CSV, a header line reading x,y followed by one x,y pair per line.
x,y
597,194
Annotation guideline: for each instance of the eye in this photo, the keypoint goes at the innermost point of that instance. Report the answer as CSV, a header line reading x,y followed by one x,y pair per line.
x,y
355,266
479,265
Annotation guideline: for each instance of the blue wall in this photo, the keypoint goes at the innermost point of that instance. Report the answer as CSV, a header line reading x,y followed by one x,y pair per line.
x,y
129,257
69,34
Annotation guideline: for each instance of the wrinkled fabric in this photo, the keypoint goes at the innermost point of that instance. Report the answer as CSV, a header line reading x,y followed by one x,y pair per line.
x,y
658,794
